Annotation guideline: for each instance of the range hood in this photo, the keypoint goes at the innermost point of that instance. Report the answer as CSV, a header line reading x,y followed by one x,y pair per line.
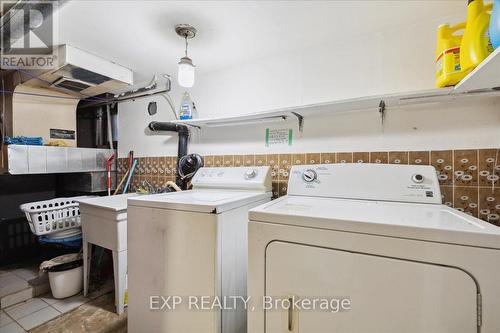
x,y
81,74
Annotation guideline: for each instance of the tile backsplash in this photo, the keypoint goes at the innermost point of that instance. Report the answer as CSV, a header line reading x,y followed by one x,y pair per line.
x,y
469,178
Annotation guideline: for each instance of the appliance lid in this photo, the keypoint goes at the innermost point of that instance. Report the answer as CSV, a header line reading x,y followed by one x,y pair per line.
x,y
200,200
428,222
113,202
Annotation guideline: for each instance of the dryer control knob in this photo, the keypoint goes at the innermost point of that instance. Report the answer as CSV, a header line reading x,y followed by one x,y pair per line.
x,y
417,178
250,174
309,175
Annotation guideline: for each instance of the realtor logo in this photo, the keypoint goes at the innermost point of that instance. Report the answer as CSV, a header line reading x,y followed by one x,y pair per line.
x,y
28,34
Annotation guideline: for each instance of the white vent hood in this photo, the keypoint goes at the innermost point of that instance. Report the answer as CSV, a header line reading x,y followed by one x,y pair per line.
x,y
82,74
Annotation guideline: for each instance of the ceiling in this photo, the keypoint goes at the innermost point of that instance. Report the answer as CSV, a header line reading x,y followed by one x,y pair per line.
x,y
140,34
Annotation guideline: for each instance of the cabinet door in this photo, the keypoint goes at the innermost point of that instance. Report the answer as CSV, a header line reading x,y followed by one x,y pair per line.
x,y
386,294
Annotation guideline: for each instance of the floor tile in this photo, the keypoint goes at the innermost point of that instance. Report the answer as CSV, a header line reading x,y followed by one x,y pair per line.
x,y
26,273
11,283
12,328
48,298
16,298
38,318
5,319
70,303
23,309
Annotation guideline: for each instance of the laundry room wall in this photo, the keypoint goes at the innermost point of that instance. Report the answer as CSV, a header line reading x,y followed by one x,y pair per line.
x,y
460,138
367,64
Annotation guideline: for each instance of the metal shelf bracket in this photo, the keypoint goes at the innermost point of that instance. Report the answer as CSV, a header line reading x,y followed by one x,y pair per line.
x,y
300,119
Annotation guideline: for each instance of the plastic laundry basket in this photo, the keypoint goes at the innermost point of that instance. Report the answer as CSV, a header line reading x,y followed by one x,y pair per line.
x,y
56,216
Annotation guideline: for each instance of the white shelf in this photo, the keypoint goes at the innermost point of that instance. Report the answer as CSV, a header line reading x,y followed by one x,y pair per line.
x,y
480,82
486,76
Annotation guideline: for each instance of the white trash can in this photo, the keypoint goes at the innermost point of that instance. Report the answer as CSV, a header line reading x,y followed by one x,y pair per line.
x,y
65,275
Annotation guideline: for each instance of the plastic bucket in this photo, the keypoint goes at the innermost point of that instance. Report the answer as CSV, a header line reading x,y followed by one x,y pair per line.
x,y
66,279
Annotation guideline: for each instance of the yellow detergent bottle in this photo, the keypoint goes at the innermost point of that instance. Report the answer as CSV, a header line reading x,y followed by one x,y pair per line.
x,y
476,45
448,69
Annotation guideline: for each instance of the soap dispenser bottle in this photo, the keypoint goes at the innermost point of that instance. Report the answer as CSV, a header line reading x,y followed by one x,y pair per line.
x,y
186,108
475,46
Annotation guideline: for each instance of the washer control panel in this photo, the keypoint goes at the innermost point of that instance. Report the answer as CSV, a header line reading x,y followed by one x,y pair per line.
x,y
257,178
385,182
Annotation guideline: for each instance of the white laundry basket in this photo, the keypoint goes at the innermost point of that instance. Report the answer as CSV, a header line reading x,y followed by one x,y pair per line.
x,y
52,216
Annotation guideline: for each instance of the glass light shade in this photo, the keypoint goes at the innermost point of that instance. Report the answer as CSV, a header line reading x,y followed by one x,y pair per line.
x,y
186,73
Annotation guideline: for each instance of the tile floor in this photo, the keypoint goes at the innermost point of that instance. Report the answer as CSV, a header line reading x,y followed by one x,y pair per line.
x,y
97,315
36,311
20,284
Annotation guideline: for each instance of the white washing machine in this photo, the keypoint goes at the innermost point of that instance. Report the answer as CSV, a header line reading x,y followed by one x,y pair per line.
x,y
378,238
192,246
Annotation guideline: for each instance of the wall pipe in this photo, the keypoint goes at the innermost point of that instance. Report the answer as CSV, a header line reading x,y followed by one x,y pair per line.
x,y
183,132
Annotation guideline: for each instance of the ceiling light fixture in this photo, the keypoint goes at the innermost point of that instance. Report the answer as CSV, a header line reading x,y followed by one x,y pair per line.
x,y
185,75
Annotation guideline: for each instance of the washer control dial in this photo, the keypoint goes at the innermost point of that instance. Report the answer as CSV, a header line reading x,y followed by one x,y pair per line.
x,y
417,178
250,174
309,175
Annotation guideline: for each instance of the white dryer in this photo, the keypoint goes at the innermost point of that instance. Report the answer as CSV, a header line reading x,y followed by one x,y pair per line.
x,y
378,238
193,245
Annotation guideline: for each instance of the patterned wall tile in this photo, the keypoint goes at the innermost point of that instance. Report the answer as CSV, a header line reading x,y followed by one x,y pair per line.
x,y
141,166
283,188
361,157
379,157
489,204
285,163
328,158
489,167
249,160
218,161
313,158
155,165
121,166
162,166
344,157
447,195
273,162
466,200
208,161
443,162
171,162
148,165
419,157
276,190
465,167
261,160
298,159
228,161
238,160
398,157
472,194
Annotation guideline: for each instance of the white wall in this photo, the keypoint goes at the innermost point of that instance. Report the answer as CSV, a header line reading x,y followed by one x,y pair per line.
x,y
385,62
457,125
395,60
